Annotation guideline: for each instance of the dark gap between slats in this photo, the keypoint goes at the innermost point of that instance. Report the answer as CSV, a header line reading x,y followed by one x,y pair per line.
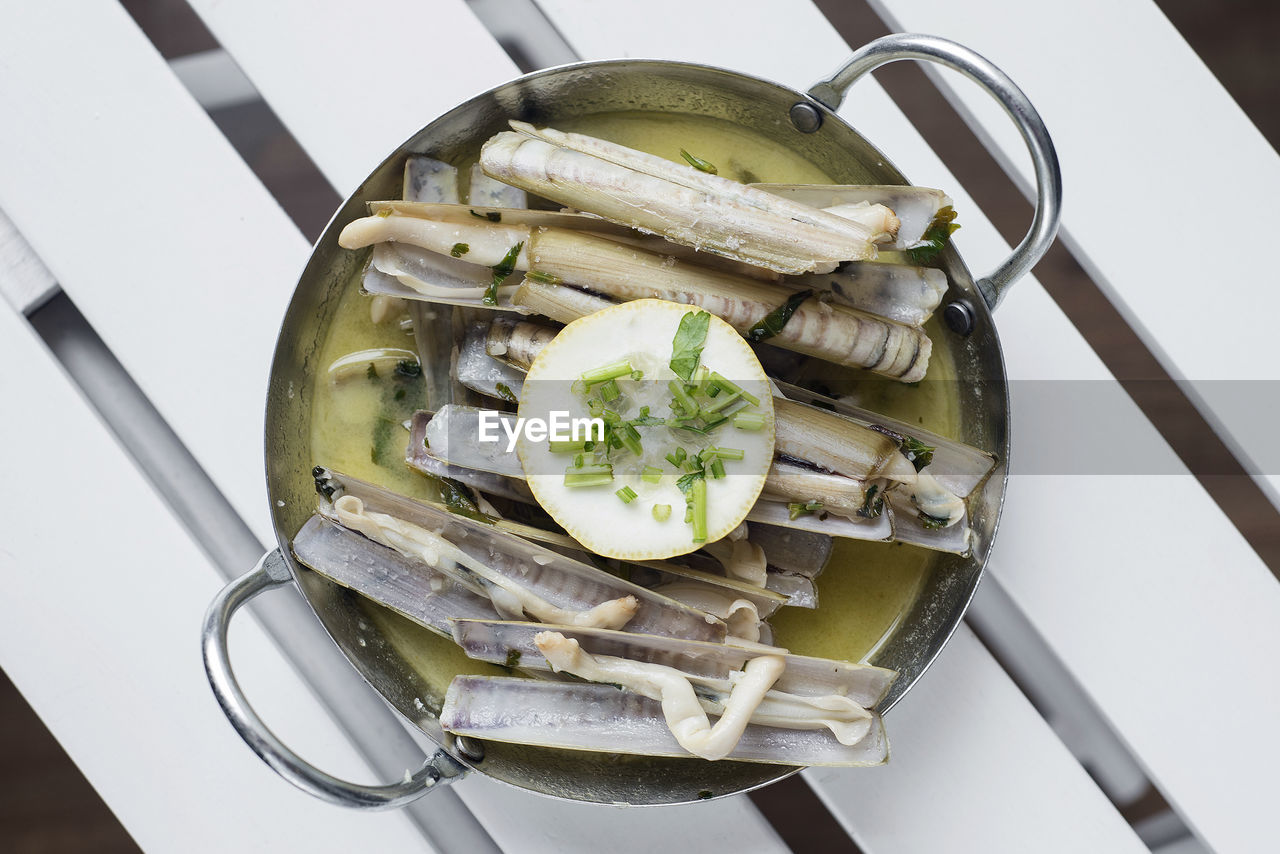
x,y
1075,292
801,819
253,129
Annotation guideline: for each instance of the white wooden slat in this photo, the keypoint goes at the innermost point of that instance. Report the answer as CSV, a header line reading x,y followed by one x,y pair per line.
x,y
987,756
267,44
353,80
1141,123
1134,664
24,279
153,225
104,594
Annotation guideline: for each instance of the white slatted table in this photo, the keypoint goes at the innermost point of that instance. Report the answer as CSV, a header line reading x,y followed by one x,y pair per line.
x,y
964,730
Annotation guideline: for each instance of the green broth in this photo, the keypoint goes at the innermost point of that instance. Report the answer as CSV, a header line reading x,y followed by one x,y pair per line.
x,y
865,589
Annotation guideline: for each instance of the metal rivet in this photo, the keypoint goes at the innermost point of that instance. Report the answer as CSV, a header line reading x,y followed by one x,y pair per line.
x,y
470,749
805,117
959,316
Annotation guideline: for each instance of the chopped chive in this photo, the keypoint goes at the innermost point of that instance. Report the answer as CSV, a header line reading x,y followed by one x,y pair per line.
x,y
676,457
651,474
596,406
661,512
730,385
687,403
698,504
609,391
544,278
796,509
715,407
578,460
576,480
717,468
713,422
723,453
688,513
459,249
644,412
637,375
627,494
610,417
607,372
566,447
749,421
698,163
501,271
631,439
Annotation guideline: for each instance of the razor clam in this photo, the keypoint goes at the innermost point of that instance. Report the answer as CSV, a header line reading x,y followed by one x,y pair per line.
x,y
484,191
496,640
800,591
959,467
433,336
789,478
915,207
789,550
900,292
490,557
655,573
481,372
516,342
825,330
914,520
427,180
563,305
681,203
595,717
380,361
776,513
425,596
409,272
417,457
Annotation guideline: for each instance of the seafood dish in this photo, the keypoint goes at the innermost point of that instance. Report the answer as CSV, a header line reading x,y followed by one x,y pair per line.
x,y
638,442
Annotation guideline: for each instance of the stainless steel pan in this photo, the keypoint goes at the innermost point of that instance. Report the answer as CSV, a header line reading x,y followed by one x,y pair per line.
x,y
805,123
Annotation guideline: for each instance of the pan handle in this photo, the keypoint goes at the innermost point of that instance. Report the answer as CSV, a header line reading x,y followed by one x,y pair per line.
x,y
1044,225
272,571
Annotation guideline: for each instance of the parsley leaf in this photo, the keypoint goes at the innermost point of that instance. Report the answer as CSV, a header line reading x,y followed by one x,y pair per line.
x,y
920,454
686,347
501,271
935,237
698,163
771,324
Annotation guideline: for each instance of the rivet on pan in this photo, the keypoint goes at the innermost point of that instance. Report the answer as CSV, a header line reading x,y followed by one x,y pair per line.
x,y
805,117
471,750
959,316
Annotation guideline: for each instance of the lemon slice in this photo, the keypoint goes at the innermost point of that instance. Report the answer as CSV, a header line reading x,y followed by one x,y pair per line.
x,y
685,454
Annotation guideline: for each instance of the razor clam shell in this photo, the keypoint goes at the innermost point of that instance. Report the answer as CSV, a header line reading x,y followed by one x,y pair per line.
x,y
959,467
507,216
799,590
427,180
655,573
409,272
793,550
479,371
487,639
433,326
899,292
425,596
485,191
776,513
907,527
595,717
416,457
915,207
454,422
561,304
560,580
517,342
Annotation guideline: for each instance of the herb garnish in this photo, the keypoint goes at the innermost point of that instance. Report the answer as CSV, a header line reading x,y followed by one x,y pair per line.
x,y
920,454
698,163
406,368
505,392
492,216
544,278
771,324
501,271
459,249
935,237
873,504
686,348
933,523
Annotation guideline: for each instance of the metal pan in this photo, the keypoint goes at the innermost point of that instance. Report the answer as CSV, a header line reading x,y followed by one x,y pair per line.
x,y
805,123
